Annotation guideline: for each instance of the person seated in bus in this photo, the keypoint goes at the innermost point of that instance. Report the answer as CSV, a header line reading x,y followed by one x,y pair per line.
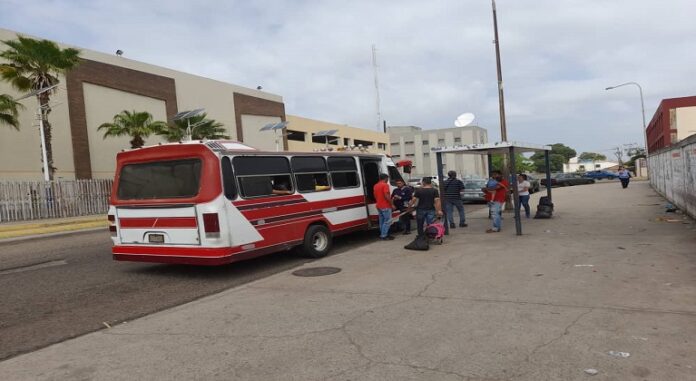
x,y
281,187
321,183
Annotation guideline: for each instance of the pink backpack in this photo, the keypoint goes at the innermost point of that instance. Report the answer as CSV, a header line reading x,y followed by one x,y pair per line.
x,y
435,232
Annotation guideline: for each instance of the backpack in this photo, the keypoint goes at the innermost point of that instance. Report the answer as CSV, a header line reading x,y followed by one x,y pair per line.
x,y
435,232
419,243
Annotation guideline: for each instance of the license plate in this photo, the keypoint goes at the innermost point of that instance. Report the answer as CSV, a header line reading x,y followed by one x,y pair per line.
x,y
156,238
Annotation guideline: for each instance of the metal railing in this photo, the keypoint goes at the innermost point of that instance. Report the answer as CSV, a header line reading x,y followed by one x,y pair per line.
x,y
33,200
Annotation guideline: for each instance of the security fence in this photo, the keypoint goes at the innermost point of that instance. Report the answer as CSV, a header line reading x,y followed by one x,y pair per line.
x,y
32,200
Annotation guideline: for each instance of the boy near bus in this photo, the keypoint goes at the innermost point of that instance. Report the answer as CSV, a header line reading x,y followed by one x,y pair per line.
x,y
384,205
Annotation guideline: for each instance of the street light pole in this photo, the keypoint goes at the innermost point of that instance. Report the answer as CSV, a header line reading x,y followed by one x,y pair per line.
x,y
642,108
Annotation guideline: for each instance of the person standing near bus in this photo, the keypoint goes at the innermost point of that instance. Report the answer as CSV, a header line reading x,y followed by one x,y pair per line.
x,y
452,195
523,190
497,197
427,202
402,197
384,205
624,176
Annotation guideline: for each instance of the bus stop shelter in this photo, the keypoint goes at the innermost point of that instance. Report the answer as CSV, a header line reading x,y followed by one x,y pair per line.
x,y
502,148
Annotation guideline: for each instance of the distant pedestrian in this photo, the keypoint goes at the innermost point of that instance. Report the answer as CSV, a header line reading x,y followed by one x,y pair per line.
x,y
523,190
624,176
384,205
496,195
452,195
426,199
401,196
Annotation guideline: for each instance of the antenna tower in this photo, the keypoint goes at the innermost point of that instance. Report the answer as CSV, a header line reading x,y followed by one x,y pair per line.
x,y
377,101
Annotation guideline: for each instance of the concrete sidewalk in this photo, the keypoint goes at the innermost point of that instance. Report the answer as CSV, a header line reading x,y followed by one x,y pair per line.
x,y
605,274
31,229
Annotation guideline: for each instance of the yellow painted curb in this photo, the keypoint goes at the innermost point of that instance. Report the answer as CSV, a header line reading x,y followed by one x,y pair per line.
x,y
36,229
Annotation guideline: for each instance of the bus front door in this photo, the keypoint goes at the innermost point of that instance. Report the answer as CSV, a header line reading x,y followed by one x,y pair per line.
x,y
370,177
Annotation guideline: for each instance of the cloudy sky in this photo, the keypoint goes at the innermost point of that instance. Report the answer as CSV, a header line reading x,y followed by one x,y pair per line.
x,y
436,58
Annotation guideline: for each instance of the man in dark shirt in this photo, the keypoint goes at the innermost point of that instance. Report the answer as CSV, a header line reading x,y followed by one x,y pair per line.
x,y
428,200
451,193
402,197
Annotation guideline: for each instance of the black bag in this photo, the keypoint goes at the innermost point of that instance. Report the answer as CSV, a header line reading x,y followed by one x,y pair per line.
x,y
420,243
545,201
540,214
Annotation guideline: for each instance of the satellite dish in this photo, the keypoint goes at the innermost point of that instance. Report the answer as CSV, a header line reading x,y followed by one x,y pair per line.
x,y
464,119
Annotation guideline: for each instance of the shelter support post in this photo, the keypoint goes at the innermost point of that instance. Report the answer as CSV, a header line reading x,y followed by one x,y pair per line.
x,y
547,164
515,192
441,180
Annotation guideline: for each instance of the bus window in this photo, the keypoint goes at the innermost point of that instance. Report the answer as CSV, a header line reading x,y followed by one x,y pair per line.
x,y
162,179
344,173
263,175
310,174
394,175
228,179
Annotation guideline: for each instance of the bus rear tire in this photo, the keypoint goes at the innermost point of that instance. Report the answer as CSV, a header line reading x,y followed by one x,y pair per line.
x,y
317,242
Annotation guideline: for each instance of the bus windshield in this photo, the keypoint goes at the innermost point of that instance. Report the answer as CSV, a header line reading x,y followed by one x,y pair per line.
x,y
160,180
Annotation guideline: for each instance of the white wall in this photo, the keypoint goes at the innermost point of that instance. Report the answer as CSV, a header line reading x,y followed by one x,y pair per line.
x,y
673,174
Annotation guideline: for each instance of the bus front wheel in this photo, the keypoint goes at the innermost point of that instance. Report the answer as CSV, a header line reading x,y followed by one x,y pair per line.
x,y
317,242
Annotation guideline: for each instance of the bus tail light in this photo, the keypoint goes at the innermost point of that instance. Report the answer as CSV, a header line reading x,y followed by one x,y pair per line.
x,y
112,224
211,225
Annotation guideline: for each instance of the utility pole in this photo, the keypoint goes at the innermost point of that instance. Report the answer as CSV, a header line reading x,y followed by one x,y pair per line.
x,y
377,100
501,98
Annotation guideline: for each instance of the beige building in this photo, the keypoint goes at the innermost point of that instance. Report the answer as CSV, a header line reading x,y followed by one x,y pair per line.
x,y
685,122
414,143
300,136
104,85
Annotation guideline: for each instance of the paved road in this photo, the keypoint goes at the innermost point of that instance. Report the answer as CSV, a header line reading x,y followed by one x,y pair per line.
x,y
56,288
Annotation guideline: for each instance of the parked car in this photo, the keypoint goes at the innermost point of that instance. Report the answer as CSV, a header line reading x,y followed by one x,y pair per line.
x,y
600,175
568,179
472,190
533,184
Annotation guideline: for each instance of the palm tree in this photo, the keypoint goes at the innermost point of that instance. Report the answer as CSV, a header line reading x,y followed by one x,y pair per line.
x,y
138,125
9,111
34,65
202,128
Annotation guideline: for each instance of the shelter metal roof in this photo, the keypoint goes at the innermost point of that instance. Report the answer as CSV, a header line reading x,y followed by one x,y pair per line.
x,y
492,148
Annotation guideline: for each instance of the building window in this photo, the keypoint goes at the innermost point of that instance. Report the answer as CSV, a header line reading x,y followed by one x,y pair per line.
x,y
364,143
441,142
323,139
426,154
346,141
425,142
457,140
395,156
297,136
408,143
382,146
410,155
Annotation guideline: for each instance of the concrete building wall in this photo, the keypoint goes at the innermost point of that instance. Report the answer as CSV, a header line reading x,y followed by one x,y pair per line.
x,y
378,140
685,123
266,140
132,85
673,174
103,103
413,143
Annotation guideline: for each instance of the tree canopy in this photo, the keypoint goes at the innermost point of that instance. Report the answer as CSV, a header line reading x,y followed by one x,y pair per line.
x,y
592,156
136,124
522,164
9,111
559,155
202,128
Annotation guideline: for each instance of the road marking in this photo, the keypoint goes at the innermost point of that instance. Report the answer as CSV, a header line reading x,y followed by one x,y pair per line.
x,y
36,266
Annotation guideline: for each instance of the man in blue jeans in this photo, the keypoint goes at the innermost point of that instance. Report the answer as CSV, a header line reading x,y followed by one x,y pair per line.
x,y
428,205
452,195
382,195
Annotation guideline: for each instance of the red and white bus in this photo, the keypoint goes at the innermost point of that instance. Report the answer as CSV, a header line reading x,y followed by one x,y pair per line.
x,y
219,202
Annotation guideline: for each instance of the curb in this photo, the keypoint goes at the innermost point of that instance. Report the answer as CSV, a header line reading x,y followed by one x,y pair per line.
x,y
49,235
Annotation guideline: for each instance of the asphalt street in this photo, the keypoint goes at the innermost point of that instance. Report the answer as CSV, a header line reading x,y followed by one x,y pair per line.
x,y
61,287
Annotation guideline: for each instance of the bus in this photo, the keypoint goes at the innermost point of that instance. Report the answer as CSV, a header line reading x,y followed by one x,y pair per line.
x,y
218,202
